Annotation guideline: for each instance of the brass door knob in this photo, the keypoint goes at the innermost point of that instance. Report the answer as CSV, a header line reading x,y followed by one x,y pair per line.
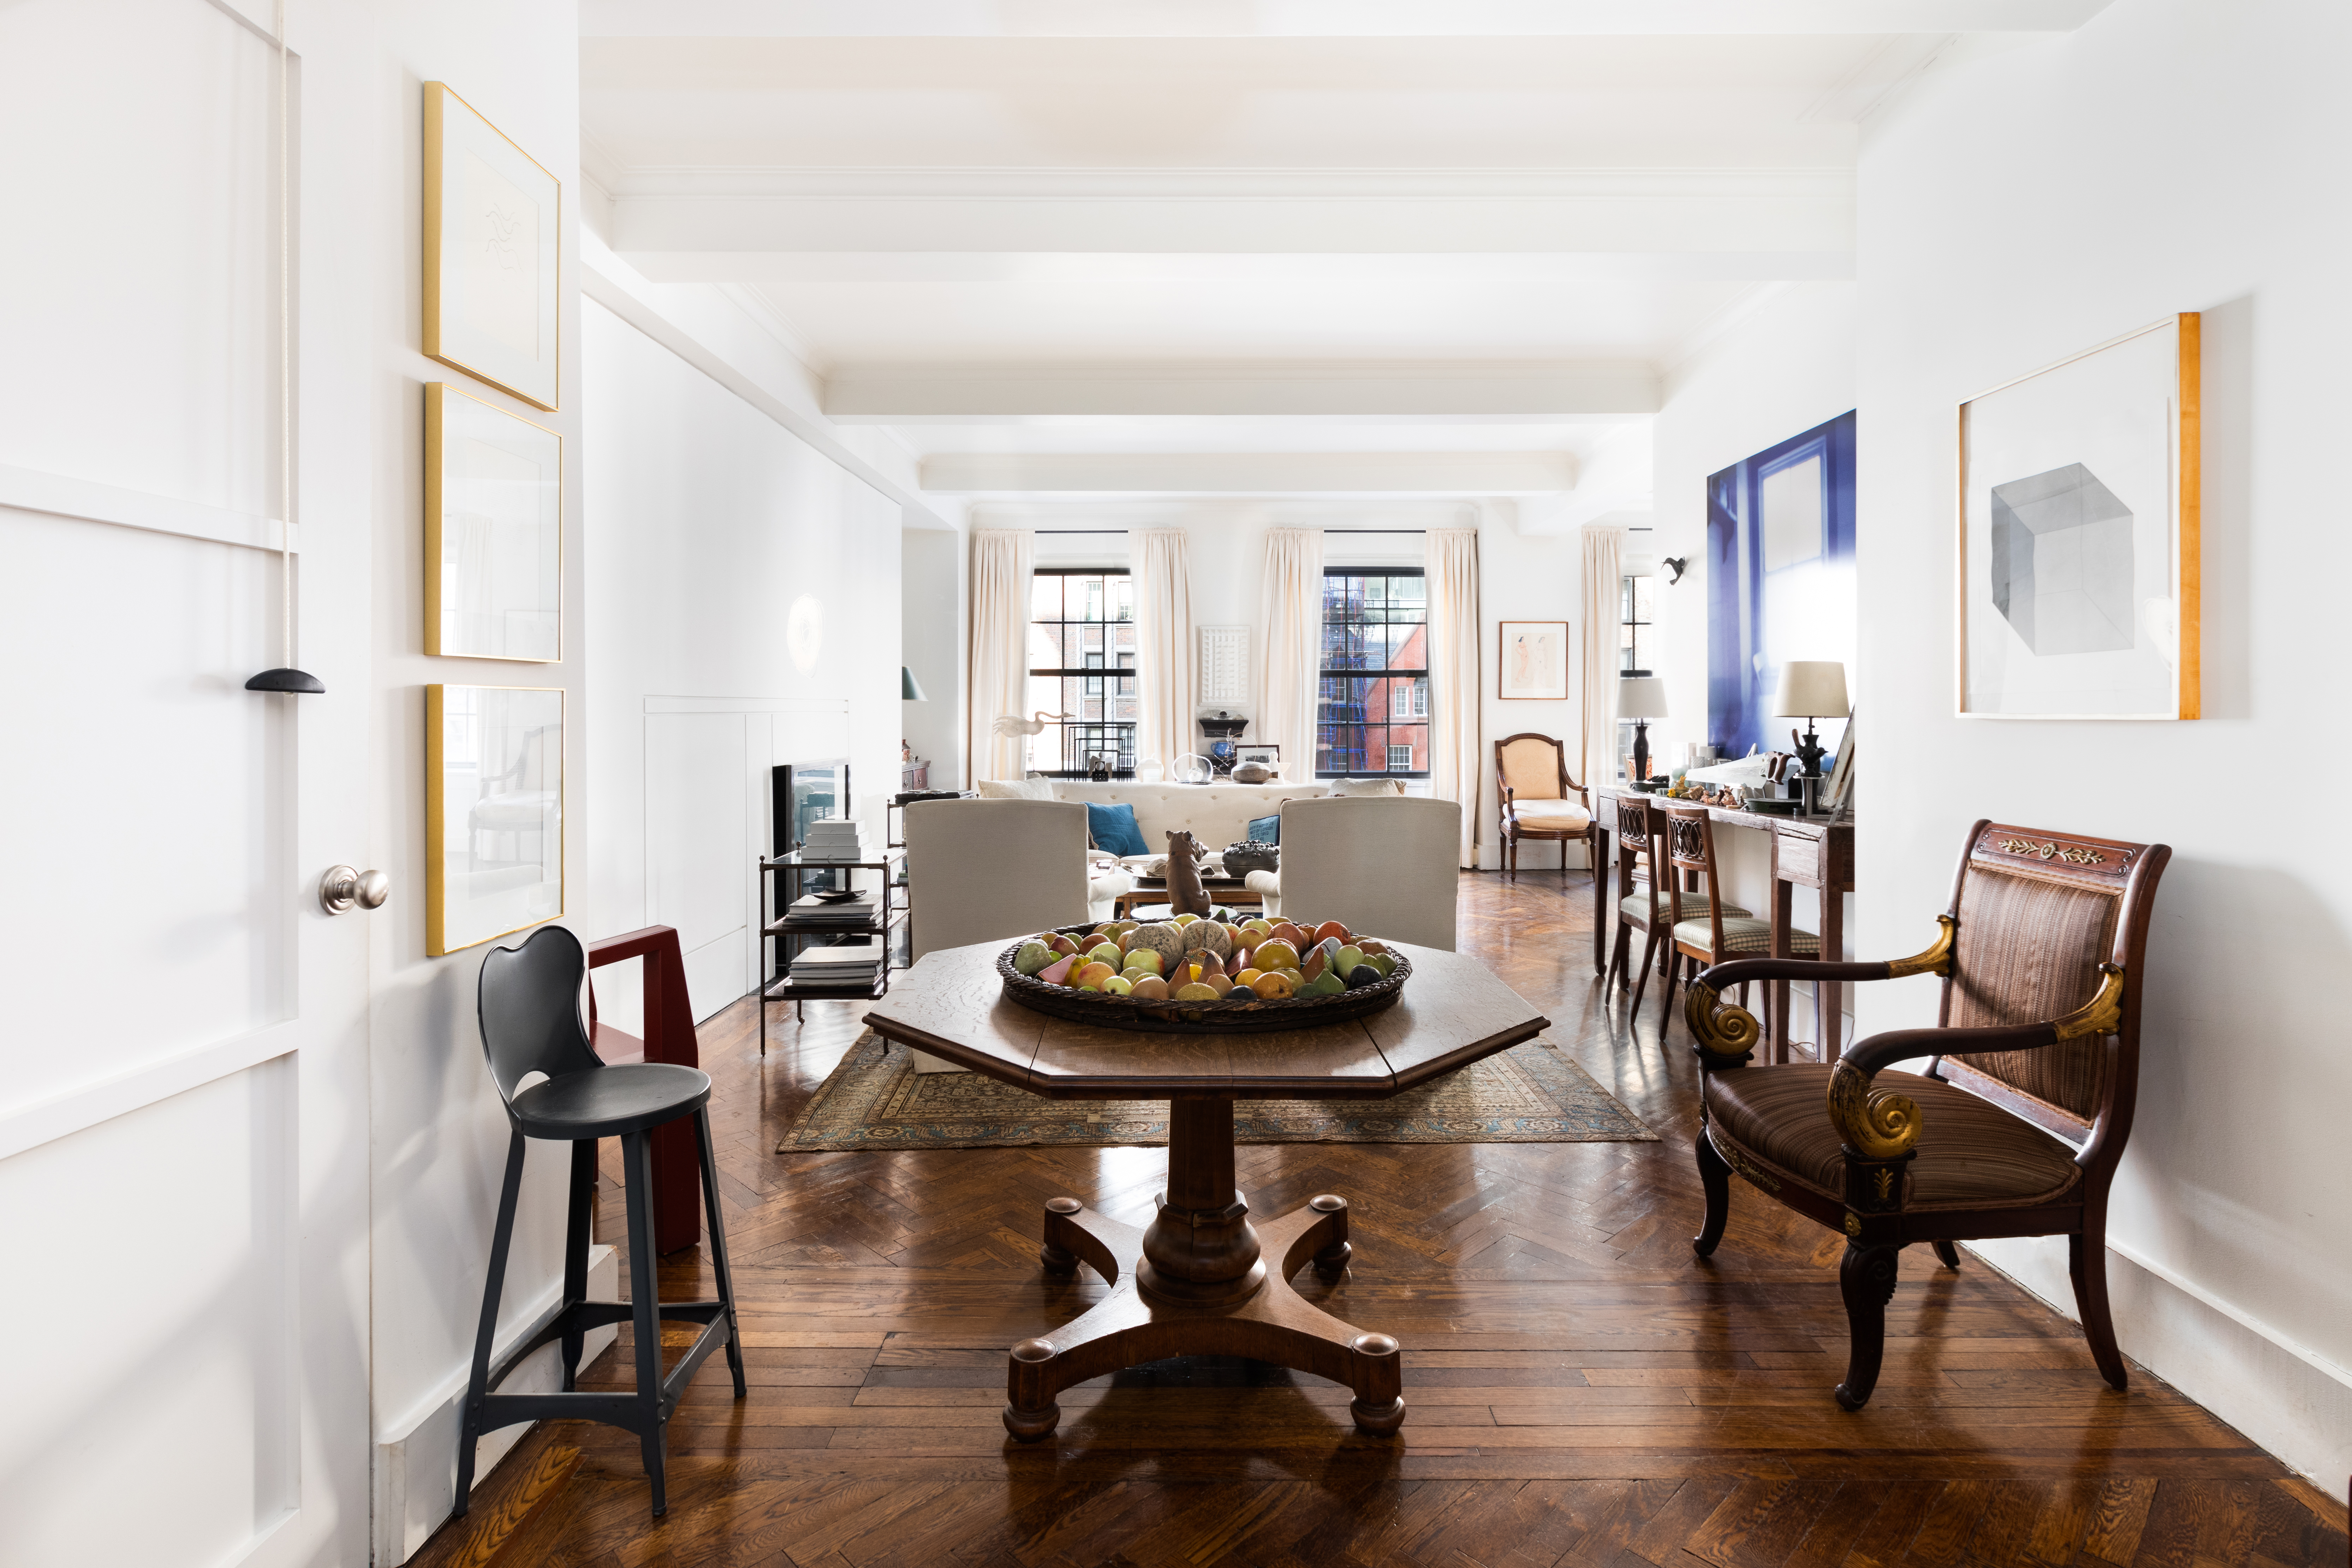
x,y
343,886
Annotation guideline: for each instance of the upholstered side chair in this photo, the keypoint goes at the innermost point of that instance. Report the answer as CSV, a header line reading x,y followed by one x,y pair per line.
x,y
1540,800
1701,930
2019,1123
1646,903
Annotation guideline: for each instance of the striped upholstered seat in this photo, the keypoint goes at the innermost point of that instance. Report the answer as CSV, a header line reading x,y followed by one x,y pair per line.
x,y
1979,1157
1637,906
1743,933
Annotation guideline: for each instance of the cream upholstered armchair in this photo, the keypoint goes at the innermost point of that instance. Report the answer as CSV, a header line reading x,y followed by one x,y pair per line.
x,y
1383,865
989,870
1540,800
2019,1123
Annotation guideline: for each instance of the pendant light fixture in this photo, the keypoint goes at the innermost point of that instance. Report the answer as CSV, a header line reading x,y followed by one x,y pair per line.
x,y
286,678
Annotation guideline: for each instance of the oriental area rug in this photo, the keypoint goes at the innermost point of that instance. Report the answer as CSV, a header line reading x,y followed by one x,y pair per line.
x,y
1528,1094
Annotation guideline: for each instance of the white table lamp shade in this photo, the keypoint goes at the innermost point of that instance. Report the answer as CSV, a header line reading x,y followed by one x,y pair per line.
x,y
1642,696
1812,688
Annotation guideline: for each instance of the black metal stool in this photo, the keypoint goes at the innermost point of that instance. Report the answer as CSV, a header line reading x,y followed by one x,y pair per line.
x,y
529,1001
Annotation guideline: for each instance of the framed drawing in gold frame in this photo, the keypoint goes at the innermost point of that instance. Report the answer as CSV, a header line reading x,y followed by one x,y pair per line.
x,y
2079,490
493,811
493,531
493,227
1531,661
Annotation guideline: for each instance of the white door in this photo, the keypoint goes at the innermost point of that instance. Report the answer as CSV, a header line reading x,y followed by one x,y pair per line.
x,y
183,1150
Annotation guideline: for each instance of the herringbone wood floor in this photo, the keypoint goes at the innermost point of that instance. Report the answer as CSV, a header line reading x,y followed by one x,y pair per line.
x,y
1582,1391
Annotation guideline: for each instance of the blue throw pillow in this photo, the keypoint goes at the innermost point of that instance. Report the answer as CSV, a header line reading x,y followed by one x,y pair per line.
x,y
1114,829
1265,829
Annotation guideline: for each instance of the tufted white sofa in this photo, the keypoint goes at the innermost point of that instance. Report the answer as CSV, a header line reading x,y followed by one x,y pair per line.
x,y
1216,814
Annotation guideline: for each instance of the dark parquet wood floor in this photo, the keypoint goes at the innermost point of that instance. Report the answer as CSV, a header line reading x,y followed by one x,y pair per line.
x,y
1582,1391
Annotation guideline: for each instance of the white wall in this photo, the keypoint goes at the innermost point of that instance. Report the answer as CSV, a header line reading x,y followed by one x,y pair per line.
x,y
933,608
2170,156
439,1136
743,611
1785,365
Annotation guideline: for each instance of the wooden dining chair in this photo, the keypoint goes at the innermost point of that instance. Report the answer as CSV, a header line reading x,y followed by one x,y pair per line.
x,y
1641,907
1701,928
2019,1123
1540,800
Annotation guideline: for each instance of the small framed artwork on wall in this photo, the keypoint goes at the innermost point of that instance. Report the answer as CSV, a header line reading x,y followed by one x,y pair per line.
x,y
493,531
493,811
493,223
1533,665
2079,514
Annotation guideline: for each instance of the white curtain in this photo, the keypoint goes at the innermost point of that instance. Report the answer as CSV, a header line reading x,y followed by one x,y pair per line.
x,y
1604,558
1001,562
1290,612
1454,686
1162,560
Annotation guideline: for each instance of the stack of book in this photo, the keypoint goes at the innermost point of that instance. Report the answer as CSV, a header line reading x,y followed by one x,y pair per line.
x,y
852,965
834,839
848,914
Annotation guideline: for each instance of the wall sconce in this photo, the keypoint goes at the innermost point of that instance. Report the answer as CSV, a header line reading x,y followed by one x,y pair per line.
x,y
1671,567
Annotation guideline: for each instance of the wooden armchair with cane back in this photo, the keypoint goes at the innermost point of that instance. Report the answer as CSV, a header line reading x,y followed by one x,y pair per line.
x,y
2016,1126
1540,800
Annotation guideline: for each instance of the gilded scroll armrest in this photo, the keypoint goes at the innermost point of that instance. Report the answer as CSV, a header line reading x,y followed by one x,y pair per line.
x,y
1726,1032
1881,1124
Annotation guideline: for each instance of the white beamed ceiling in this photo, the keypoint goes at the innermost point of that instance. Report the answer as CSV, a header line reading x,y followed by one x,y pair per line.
x,y
1079,245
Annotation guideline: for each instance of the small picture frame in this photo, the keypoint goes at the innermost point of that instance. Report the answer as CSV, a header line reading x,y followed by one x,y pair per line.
x,y
493,531
1531,662
493,811
493,228
1254,751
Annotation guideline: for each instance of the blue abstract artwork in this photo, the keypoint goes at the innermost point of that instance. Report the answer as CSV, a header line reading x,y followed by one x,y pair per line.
x,y
1779,582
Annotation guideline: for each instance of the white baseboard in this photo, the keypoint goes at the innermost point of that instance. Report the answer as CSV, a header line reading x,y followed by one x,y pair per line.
x,y
2293,1403
415,1474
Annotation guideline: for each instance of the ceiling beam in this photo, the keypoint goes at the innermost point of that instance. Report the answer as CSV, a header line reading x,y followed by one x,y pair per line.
x,y
766,225
1535,392
1316,18
1250,473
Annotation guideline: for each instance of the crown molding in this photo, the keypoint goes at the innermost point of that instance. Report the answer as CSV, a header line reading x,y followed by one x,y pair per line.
x,y
1043,183
1476,391
1251,473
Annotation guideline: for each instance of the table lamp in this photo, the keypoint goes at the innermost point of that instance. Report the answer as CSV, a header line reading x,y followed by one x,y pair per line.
x,y
1641,698
1812,688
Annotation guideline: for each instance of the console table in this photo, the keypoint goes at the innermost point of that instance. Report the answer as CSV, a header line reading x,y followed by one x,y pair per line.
x,y
1806,852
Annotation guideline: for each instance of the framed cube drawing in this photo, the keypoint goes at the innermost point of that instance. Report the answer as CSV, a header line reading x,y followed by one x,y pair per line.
x,y
2078,521
493,223
493,811
493,531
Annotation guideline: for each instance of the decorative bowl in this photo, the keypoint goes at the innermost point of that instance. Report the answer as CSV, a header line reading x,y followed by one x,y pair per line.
x,y
1174,1017
1653,785
1767,806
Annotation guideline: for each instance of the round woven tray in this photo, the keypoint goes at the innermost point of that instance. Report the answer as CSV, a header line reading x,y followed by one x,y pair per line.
x,y
1106,1011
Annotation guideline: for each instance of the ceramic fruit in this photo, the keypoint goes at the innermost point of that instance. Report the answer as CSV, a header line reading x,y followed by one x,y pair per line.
x,y
1058,971
1241,993
1116,985
1270,987
1312,964
1150,988
1181,920
1345,960
1363,974
1196,992
1258,926
1383,961
1371,945
1105,952
1208,935
1166,940
1142,961
1331,928
1034,956
1295,936
1274,952
1324,984
1247,976
1091,978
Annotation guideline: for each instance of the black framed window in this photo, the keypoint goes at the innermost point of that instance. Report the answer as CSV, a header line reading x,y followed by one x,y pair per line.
x,y
1636,610
1082,663
1371,712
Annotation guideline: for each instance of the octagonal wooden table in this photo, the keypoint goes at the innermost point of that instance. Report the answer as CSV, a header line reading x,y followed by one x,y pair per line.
x,y
1196,1281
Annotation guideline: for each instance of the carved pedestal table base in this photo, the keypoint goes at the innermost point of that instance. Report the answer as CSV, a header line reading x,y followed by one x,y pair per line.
x,y
1196,1281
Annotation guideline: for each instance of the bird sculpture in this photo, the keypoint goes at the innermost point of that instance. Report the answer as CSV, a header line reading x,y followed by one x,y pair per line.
x,y
1013,725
